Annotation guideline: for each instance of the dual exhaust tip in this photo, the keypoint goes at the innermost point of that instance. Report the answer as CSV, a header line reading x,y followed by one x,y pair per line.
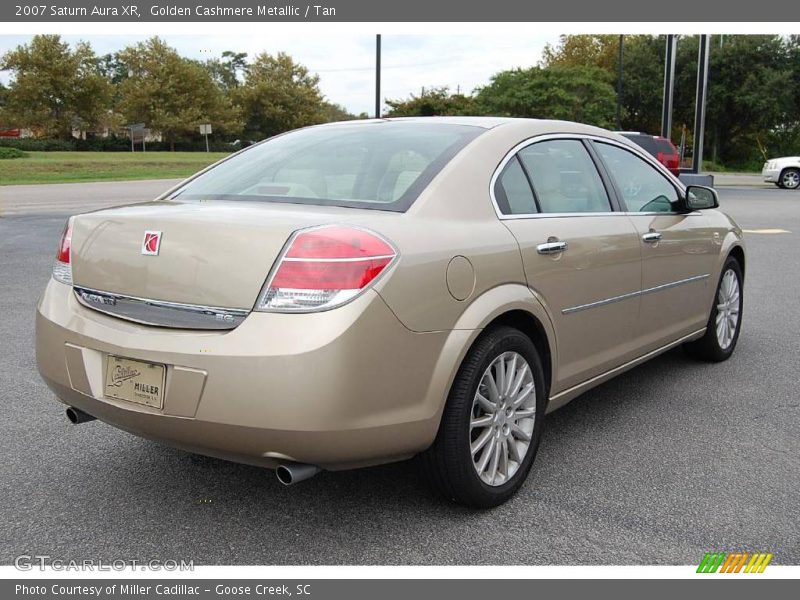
x,y
287,473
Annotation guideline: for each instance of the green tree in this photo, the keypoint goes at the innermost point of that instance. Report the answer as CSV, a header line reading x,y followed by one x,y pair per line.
x,y
278,95
581,94
643,83
753,102
55,89
172,95
751,96
4,123
785,139
437,101
112,68
583,50
331,112
228,70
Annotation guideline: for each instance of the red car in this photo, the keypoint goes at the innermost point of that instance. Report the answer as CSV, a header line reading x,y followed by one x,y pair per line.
x,y
664,150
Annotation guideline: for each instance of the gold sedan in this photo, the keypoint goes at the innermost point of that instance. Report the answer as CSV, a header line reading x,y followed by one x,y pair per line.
x,y
359,293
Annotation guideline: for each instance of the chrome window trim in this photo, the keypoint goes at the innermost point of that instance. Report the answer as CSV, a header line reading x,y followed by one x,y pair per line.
x,y
161,313
657,288
578,136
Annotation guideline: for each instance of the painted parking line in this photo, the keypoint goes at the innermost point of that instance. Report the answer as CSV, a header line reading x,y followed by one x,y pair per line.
x,y
766,231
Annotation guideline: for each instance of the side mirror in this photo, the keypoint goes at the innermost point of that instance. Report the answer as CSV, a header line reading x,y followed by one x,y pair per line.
x,y
699,197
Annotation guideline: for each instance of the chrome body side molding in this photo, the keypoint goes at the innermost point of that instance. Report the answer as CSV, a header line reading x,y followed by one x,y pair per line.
x,y
658,288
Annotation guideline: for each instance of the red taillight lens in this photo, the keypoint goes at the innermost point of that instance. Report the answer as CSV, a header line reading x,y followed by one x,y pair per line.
x,y
66,244
325,267
338,242
328,275
62,269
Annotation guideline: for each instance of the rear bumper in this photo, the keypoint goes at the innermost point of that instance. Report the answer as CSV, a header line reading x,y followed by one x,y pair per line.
x,y
339,389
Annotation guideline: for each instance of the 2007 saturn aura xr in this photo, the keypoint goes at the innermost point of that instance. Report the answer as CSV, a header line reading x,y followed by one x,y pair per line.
x,y
359,293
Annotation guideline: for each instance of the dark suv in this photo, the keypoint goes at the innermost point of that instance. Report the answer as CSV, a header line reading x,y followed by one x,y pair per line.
x,y
665,151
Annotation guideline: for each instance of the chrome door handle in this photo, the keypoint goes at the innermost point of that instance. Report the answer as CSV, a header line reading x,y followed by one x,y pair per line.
x,y
551,248
651,237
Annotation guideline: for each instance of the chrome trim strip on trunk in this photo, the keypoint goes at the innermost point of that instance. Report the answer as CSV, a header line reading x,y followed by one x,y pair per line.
x,y
160,313
658,288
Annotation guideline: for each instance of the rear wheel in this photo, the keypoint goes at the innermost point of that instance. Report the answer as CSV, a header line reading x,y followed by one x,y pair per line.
x,y
790,179
492,422
725,321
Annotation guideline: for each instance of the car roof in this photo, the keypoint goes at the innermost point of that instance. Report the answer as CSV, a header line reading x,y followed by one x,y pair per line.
x,y
542,126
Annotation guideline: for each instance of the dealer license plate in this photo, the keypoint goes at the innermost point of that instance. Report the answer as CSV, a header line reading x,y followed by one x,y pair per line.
x,y
135,381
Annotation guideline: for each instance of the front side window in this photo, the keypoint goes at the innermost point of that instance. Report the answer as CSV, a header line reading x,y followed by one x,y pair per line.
x,y
383,165
564,177
643,188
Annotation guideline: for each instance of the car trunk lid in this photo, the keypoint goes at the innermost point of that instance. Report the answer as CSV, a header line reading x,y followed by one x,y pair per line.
x,y
211,254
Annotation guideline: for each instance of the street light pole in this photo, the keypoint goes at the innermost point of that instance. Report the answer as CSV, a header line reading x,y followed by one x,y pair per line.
x,y
378,76
669,87
619,81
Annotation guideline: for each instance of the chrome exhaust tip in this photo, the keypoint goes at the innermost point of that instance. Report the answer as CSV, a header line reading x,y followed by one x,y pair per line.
x,y
76,415
291,473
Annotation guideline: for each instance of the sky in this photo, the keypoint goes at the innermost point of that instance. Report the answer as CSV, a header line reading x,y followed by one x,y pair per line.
x,y
346,63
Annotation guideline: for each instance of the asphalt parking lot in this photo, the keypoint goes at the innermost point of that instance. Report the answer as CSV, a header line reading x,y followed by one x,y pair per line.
x,y
658,466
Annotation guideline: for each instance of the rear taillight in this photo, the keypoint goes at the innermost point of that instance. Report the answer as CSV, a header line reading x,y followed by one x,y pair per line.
x,y
62,268
325,267
671,161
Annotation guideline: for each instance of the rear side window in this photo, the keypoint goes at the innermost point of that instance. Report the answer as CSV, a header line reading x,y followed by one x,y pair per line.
x,y
643,188
564,177
382,165
513,191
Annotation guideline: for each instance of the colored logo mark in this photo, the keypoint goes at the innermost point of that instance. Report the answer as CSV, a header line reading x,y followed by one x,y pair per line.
x,y
734,562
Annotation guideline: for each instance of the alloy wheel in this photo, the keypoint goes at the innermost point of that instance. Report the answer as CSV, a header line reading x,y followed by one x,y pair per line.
x,y
502,418
791,179
727,309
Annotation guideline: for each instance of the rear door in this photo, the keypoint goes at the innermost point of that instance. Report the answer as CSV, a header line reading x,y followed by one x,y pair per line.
x,y
678,249
581,257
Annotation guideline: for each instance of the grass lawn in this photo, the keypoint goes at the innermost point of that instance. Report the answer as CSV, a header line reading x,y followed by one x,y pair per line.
x,y
66,167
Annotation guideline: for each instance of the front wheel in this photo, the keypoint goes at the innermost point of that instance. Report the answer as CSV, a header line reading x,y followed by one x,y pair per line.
x,y
725,321
790,179
492,422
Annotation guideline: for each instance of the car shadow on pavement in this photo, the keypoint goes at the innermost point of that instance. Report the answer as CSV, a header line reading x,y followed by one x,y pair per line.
x,y
400,484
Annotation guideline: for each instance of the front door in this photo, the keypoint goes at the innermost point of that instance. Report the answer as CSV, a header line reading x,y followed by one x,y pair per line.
x,y
678,249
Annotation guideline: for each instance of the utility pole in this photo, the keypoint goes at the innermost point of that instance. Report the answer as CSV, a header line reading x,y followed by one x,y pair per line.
x,y
378,76
619,81
700,103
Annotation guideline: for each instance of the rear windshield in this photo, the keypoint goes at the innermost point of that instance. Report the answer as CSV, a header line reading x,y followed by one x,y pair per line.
x,y
382,165
665,146
645,141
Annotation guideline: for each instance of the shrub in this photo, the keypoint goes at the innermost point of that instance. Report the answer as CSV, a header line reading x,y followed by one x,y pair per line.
x,y
113,144
36,145
11,153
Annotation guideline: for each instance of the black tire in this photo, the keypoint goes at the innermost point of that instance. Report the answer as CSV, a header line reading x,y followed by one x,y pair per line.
x,y
708,348
448,464
793,177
